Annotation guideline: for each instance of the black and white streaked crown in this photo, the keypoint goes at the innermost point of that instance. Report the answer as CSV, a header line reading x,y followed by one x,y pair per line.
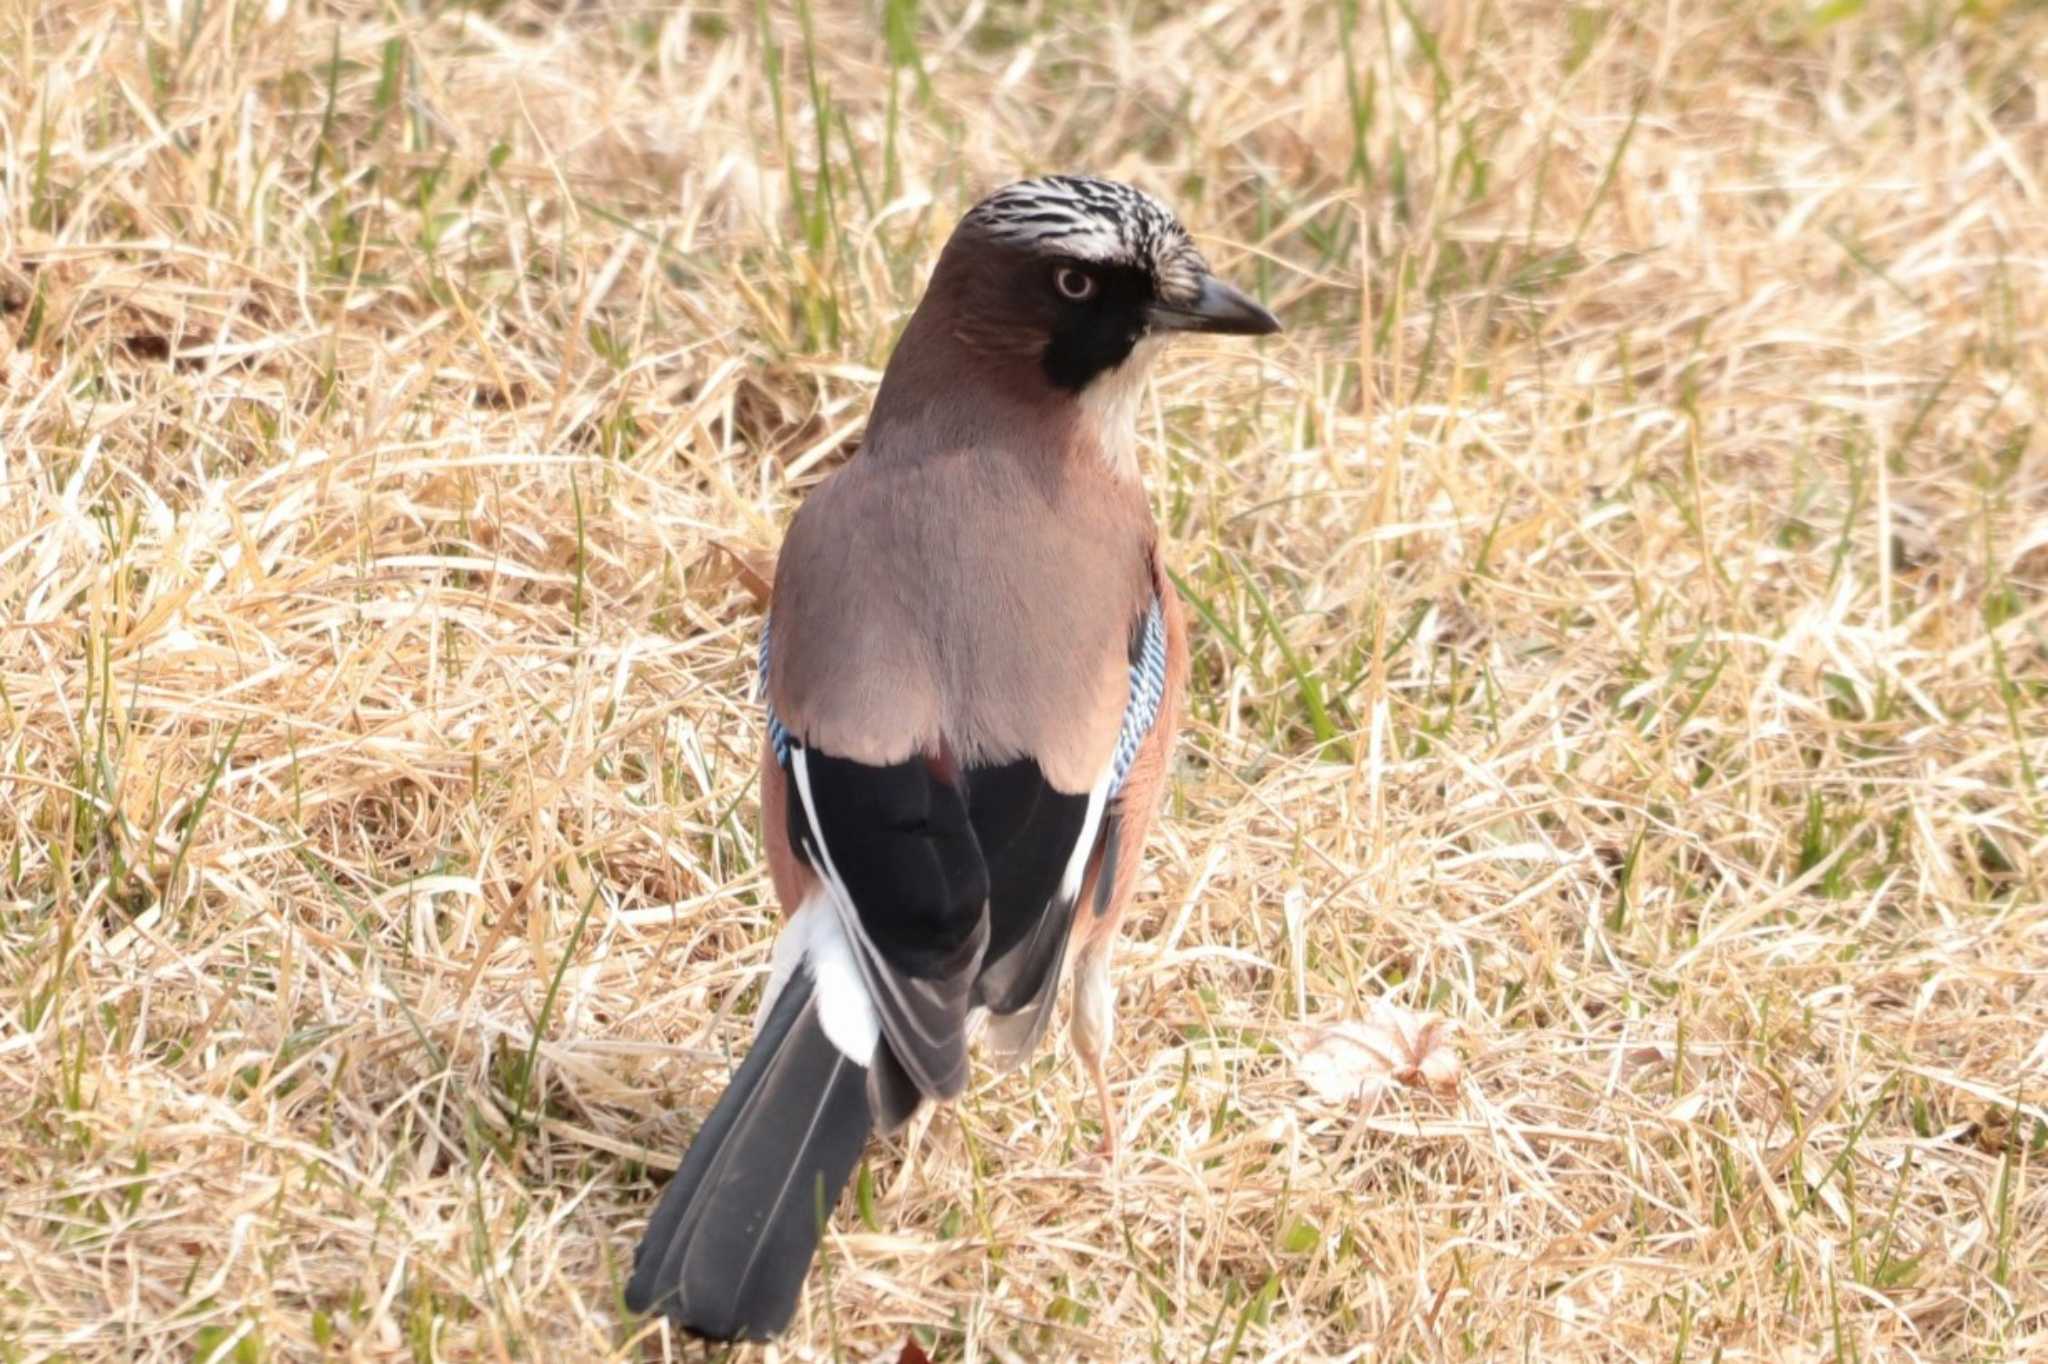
x,y
1103,221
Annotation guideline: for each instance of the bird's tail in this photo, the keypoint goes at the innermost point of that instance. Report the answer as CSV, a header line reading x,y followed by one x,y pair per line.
x,y
728,1247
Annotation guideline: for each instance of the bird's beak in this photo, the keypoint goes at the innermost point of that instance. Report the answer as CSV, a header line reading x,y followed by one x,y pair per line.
x,y
1218,307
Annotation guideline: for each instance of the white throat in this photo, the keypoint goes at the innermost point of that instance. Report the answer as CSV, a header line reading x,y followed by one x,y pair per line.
x,y
1110,406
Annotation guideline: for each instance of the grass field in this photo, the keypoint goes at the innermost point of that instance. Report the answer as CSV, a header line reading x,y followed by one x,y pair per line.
x,y
1620,609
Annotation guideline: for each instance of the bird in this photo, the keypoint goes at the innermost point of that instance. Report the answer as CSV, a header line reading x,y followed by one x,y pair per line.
x,y
972,663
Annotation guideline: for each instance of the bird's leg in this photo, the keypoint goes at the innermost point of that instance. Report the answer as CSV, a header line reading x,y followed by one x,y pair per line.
x,y
1094,1026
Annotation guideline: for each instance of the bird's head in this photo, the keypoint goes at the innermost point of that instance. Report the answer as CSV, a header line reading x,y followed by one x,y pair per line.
x,y
1059,291
1083,274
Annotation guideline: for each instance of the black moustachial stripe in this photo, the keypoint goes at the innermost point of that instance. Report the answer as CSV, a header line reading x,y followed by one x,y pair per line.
x,y
1096,335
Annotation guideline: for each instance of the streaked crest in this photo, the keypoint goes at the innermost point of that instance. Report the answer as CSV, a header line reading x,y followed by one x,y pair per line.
x,y
1102,221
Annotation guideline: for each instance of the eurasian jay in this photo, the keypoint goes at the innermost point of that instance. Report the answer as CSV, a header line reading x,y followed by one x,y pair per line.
x,y
972,668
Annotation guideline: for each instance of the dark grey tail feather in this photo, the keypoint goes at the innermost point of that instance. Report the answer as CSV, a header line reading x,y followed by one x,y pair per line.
x,y
1015,979
1020,988
1105,866
1014,1036
729,1245
921,1015
892,1095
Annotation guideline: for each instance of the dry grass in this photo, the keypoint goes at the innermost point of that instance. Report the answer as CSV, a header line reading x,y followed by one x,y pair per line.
x,y
1621,628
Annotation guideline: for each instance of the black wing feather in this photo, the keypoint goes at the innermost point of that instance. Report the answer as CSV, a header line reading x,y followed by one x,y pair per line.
x,y
953,889
912,893
1027,832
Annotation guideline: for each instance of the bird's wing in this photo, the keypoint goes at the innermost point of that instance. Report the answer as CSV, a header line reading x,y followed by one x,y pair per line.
x,y
907,887
1019,986
951,888
950,850
1143,742
935,892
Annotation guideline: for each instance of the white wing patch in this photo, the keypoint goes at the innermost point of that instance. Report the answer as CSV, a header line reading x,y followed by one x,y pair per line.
x,y
861,954
813,936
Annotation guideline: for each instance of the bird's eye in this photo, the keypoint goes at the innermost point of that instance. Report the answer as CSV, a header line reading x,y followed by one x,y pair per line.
x,y
1077,286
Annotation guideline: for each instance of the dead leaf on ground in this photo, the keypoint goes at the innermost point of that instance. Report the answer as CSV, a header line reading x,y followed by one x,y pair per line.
x,y
1364,1059
755,569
